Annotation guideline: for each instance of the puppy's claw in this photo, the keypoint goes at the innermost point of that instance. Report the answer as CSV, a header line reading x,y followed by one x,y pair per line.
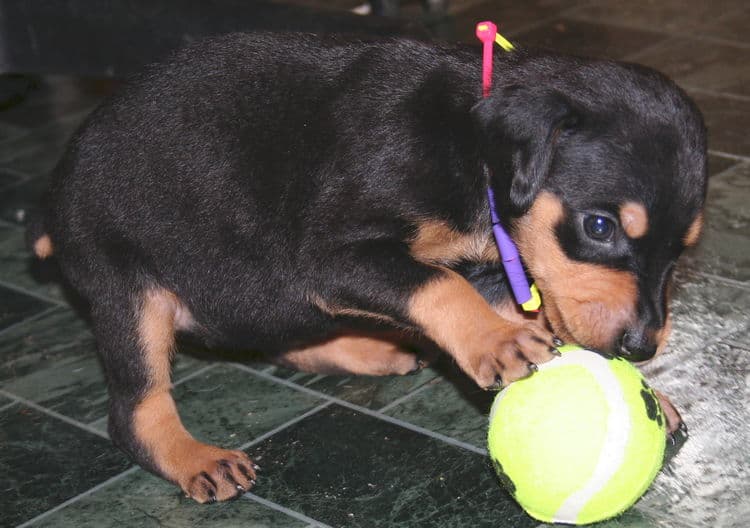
x,y
557,341
554,352
495,386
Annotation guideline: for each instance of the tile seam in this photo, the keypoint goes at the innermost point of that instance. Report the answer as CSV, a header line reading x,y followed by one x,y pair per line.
x,y
29,319
285,425
180,381
8,406
132,469
715,93
364,410
283,509
72,500
54,414
729,155
574,14
410,395
21,289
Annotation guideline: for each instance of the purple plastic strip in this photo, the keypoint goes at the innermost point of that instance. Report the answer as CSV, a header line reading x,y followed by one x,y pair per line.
x,y
509,255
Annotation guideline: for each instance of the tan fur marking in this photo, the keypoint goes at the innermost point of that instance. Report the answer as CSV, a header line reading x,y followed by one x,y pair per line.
x,y
485,345
43,247
436,243
352,354
634,219
451,311
156,423
583,302
694,231
156,331
337,311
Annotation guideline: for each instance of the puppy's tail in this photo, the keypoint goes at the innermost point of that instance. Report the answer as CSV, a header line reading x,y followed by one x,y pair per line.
x,y
37,238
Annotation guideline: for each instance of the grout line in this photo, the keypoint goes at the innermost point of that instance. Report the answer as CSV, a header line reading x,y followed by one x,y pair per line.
x,y
195,374
8,406
41,297
30,319
633,57
714,93
514,32
78,497
369,412
54,414
282,509
176,383
406,397
573,13
136,468
726,280
736,157
5,223
285,425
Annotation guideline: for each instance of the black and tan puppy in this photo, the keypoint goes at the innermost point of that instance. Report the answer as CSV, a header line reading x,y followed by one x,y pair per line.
x,y
300,195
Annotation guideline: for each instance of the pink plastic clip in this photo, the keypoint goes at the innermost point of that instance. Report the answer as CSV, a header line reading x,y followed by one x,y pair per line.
x,y
486,32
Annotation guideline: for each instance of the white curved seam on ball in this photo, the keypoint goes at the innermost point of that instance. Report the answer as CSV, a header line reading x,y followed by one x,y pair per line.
x,y
615,440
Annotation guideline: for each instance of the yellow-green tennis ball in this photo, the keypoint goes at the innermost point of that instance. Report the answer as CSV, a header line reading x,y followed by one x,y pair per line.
x,y
579,441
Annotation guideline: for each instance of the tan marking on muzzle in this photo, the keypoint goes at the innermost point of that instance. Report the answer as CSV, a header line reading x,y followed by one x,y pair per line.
x,y
585,303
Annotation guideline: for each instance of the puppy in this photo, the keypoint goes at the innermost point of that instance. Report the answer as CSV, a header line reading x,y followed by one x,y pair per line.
x,y
313,197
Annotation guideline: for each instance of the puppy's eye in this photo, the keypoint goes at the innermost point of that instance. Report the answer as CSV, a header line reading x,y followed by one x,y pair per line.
x,y
598,227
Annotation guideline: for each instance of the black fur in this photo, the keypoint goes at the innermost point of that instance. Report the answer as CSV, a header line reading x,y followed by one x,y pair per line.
x,y
251,173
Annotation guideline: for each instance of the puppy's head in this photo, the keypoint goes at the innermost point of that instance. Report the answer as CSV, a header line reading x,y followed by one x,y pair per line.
x,y
601,173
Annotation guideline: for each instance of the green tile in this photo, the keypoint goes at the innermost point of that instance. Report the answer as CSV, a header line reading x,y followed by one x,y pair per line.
x,y
726,119
9,177
347,469
588,39
731,27
718,164
141,500
17,306
19,268
4,402
664,15
717,67
231,407
45,462
454,407
17,200
725,247
511,17
373,392
52,361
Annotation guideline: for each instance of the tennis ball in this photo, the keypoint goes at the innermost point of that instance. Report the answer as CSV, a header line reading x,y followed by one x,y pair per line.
x,y
579,441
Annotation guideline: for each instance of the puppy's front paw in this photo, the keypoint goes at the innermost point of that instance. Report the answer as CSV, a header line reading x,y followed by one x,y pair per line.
x,y
674,420
508,353
216,474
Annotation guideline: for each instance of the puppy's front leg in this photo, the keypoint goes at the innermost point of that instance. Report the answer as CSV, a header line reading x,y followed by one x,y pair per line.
x,y
440,304
491,349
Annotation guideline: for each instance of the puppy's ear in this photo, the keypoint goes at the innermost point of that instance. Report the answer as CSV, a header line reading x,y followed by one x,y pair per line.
x,y
517,129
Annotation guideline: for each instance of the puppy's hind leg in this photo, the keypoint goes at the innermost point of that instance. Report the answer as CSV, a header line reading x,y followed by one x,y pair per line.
x,y
135,344
369,355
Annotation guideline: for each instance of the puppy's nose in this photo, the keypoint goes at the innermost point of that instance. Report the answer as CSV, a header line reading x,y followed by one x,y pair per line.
x,y
634,347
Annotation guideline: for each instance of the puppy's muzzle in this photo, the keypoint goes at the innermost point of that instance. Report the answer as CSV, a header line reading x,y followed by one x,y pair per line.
x,y
635,346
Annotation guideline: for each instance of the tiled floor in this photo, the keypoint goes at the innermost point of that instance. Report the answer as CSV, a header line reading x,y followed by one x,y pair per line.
x,y
381,452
